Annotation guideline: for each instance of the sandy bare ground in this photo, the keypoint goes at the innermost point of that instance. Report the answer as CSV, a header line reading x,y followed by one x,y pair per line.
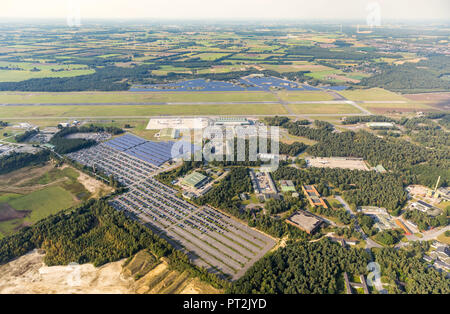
x,y
94,186
28,274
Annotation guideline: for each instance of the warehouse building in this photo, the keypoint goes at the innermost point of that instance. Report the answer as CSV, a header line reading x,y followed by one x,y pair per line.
x,y
231,121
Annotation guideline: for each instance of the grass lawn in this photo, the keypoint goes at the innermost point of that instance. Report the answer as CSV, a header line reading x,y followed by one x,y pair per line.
x,y
335,204
289,139
130,97
384,107
139,110
305,96
43,203
323,108
442,238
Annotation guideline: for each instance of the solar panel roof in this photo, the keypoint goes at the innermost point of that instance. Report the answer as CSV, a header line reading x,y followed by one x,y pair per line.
x,y
156,153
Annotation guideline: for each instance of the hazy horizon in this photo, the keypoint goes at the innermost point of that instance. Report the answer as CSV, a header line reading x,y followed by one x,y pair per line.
x,y
229,10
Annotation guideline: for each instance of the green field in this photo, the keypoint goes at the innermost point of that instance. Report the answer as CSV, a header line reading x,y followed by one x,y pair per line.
x,y
138,110
323,109
372,94
131,97
305,96
43,203
210,56
45,70
41,191
383,107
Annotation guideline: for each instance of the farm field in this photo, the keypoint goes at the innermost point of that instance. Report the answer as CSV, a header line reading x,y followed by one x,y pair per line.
x,y
300,66
139,110
131,97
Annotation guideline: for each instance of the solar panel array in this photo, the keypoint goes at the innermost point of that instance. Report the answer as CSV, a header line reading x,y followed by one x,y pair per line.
x,y
156,153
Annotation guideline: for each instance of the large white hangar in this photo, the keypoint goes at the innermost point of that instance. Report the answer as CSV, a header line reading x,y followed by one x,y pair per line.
x,y
177,123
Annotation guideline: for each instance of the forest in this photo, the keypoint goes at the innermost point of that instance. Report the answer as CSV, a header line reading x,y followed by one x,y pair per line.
x,y
303,268
415,163
407,78
408,273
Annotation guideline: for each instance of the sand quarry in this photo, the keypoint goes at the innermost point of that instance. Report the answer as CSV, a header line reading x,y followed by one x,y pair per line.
x,y
28,274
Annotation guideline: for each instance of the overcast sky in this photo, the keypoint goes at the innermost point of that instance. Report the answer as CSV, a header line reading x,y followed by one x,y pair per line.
x,y
227,9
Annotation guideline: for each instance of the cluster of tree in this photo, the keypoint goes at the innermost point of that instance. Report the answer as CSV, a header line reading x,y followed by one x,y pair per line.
x,y
64,145
292,149
276,206
303,268
16,161
276,121
367,224
359,188
3,123
389,237
424,221
432,138
406,266
223,195
94,129
393,154
168,176
348,233
93,232
427,174
25,136
354,120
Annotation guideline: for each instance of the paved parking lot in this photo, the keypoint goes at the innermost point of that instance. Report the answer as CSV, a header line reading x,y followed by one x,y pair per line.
x,y
209,237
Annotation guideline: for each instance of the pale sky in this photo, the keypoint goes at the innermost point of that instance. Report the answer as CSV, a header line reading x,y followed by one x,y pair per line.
x,y
226,9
